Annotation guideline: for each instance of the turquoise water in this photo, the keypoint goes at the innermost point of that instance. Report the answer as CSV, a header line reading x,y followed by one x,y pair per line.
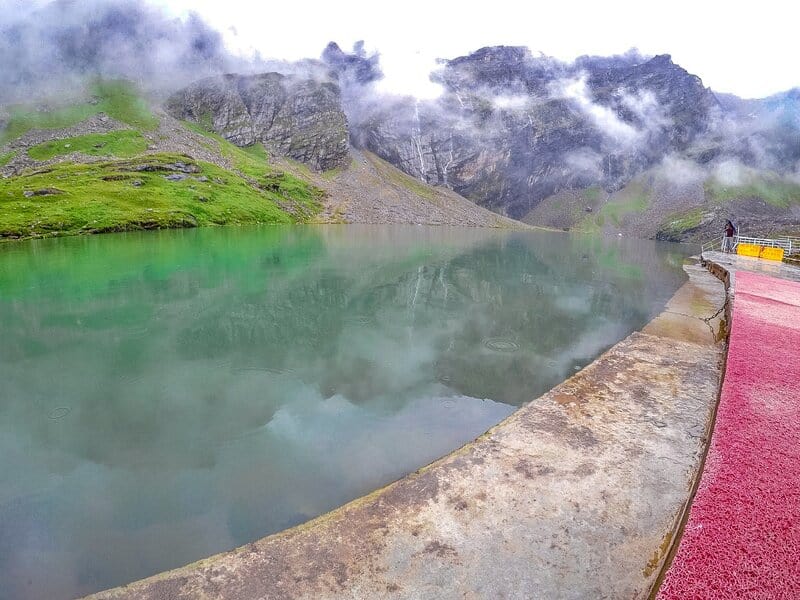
x,y
170,395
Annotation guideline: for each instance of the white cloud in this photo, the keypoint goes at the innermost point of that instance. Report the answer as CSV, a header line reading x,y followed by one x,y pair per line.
x,y
731,172
646,106
795,175
603,117
708,44
510,102
585,162
680,171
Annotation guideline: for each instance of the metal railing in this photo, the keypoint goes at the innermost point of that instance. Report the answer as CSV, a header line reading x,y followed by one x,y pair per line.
x,y
790,245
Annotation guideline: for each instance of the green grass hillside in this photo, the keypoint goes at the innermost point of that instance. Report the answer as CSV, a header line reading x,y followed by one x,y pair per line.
x,y
134,188
770,188
651,206
117,143
120,195
118,99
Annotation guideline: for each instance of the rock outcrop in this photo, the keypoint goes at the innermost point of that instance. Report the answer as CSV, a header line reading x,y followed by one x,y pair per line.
x,y
297,118
512,129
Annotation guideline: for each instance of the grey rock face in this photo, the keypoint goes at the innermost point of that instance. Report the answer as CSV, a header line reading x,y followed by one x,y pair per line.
x,y
292,117
512,129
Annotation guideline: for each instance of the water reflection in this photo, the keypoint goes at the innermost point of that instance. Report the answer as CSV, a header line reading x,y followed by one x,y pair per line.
x,y
170,395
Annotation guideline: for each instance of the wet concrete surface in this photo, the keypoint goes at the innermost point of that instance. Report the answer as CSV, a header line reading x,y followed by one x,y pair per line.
x,y
576,495
731,263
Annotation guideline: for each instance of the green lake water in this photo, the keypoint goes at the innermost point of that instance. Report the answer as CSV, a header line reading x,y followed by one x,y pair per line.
x,y
169,395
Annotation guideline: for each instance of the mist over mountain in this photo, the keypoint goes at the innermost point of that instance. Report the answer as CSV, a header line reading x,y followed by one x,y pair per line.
x,y
55,44
555,143
512,131
50,49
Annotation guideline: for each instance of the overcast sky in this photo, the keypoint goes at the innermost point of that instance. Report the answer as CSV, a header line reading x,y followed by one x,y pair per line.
x,y
749,48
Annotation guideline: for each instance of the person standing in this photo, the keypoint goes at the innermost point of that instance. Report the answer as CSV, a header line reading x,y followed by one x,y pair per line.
x,y
727,241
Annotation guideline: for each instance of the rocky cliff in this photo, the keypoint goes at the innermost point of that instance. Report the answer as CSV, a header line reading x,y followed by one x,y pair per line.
x,y
512,129
293,117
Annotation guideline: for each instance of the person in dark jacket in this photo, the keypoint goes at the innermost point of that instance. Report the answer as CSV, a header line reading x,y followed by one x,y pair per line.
x,y
727,241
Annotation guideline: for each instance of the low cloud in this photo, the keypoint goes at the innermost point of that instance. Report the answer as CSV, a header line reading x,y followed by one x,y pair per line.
x,y
731,172
48,48
648,110
586,163
510,102
603,117
794,176
680,171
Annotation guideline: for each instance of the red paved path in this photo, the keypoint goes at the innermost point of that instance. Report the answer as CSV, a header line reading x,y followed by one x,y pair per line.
x,y
742,539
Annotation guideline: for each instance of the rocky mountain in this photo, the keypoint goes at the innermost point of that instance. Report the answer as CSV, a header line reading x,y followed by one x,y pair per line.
x,y
512,129
623,144
114,160
626,144
297,118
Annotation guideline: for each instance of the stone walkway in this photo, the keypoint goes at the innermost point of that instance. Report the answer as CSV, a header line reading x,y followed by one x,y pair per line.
x,y
742,537
576,495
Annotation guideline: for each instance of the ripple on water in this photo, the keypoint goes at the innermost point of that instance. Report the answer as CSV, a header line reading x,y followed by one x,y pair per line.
x,y
359,320
59,412
271,370
131,379
499,344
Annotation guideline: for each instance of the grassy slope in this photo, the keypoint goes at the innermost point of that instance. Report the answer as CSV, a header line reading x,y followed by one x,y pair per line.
x,y
6,158
398,177
774,190
638,199
116,195
123,143
253,162
118,99
768,187
682,222
633,198
102,197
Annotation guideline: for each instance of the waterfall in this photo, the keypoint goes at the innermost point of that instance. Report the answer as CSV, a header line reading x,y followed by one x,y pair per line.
x,y
449,161
416,140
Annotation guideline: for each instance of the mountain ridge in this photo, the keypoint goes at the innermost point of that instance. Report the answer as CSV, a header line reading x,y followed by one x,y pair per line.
x,y
626,144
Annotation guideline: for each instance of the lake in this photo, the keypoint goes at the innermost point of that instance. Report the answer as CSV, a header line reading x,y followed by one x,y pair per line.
x,y
170,395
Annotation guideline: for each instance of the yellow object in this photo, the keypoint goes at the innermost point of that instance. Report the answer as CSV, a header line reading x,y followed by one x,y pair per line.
x,y
765,252
771,253
748,250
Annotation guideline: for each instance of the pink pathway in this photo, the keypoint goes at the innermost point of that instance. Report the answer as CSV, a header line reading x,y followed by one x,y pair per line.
x,y
742,539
